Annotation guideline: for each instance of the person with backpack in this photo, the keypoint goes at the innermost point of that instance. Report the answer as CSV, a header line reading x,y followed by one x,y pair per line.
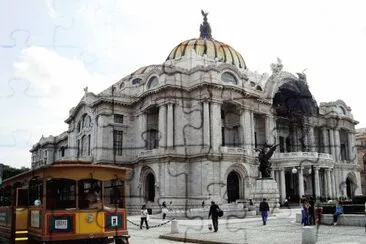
x,y
264,208
214,213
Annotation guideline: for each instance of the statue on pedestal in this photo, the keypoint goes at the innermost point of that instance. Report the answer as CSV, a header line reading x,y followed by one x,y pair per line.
x,y
264,155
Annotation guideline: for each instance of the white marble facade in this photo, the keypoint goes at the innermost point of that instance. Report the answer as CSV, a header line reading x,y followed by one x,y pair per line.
x,y
188,129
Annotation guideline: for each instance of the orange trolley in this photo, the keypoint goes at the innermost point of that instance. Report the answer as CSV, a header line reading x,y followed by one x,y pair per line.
x,y
69,201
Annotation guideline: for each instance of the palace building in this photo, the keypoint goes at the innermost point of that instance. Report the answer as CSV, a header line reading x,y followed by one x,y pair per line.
x,y
189,129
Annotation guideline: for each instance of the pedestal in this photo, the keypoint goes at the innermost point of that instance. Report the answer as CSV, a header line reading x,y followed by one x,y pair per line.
x,y
174,227
267,188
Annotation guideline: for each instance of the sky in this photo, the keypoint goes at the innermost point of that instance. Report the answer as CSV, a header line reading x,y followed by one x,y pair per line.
x,y
51,49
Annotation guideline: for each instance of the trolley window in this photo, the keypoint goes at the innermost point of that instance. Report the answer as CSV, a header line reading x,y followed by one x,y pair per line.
x,y
35,191
114,193
61,194
5,196
22,197
89,193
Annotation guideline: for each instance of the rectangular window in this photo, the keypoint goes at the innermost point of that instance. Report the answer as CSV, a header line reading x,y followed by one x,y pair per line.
x,y
255,140
118,118
89,137
45,157
282,144
78,145
117,142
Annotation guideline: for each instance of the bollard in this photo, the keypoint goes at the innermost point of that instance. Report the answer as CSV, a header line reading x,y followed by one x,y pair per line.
x,y
175,228
308,235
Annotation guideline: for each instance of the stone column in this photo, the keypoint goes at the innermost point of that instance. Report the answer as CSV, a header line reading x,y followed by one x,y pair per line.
x,y
252,128
336,183
317,185
325,140
311,142
206,123
242,128
329,183
301,181
270,133
283,185
337,144
170,126
162,126
332,145
247,125
334,193
215,116
350,147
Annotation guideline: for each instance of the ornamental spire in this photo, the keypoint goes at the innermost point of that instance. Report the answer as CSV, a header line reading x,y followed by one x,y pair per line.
x,y
205,28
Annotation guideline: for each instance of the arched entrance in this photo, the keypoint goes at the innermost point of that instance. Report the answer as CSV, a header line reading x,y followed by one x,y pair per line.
x,y
233,186
350,187
150,187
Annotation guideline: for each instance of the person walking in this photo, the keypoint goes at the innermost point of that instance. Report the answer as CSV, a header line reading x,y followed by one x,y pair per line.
x,y
164,209
339,211
264,208
144,217
214,209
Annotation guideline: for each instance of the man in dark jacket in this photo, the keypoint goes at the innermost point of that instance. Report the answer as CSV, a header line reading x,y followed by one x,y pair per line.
x,y
264,208
214,213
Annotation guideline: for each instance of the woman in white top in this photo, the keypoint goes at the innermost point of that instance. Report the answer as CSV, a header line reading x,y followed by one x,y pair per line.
x,y
144,217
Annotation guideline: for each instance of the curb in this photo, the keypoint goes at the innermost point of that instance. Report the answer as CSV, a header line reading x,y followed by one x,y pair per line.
x,y
192,240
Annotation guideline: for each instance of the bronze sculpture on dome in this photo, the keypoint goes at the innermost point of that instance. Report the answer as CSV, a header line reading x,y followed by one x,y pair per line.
x,y
205,28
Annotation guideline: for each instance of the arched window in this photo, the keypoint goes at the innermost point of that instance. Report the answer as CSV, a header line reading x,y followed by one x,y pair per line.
x,y
153,81
86,121
62,151
258,88
229,78
79,126
136,81
122,85
343,111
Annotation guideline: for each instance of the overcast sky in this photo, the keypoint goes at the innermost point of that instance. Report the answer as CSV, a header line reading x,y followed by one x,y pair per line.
x,y
51,49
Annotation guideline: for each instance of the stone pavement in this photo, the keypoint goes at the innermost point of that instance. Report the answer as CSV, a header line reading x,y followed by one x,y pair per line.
x,y
281,228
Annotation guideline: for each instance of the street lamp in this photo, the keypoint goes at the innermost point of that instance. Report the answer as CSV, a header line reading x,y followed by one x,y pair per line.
x,y
311,171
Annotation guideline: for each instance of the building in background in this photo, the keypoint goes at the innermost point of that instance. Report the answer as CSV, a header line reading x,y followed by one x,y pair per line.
x,y
188,128
361,153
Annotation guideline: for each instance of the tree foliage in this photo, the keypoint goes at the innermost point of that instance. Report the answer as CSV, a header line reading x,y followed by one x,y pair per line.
x,y
9,171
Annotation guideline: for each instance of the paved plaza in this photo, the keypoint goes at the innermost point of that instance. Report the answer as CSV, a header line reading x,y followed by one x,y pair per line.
x,y
281,228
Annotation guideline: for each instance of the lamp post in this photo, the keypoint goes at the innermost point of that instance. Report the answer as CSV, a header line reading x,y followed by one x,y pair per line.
x,y
311,172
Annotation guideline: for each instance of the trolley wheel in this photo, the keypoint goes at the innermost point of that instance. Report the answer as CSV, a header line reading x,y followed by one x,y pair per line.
x,y
121,240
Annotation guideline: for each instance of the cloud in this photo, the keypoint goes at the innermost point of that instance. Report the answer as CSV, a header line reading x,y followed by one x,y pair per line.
x,y
57,82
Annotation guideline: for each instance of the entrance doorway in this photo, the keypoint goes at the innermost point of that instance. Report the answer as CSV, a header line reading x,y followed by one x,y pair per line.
x,y
233,186
150,187
349,188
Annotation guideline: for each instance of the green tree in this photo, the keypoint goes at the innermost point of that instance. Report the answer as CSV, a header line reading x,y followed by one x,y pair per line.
x,y
9,171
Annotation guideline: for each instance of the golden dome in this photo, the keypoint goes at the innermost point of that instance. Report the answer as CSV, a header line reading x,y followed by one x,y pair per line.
x,y
211,48
206,45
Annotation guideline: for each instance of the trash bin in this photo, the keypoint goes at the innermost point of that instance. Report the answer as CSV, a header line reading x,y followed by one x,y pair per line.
x,y
149,211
